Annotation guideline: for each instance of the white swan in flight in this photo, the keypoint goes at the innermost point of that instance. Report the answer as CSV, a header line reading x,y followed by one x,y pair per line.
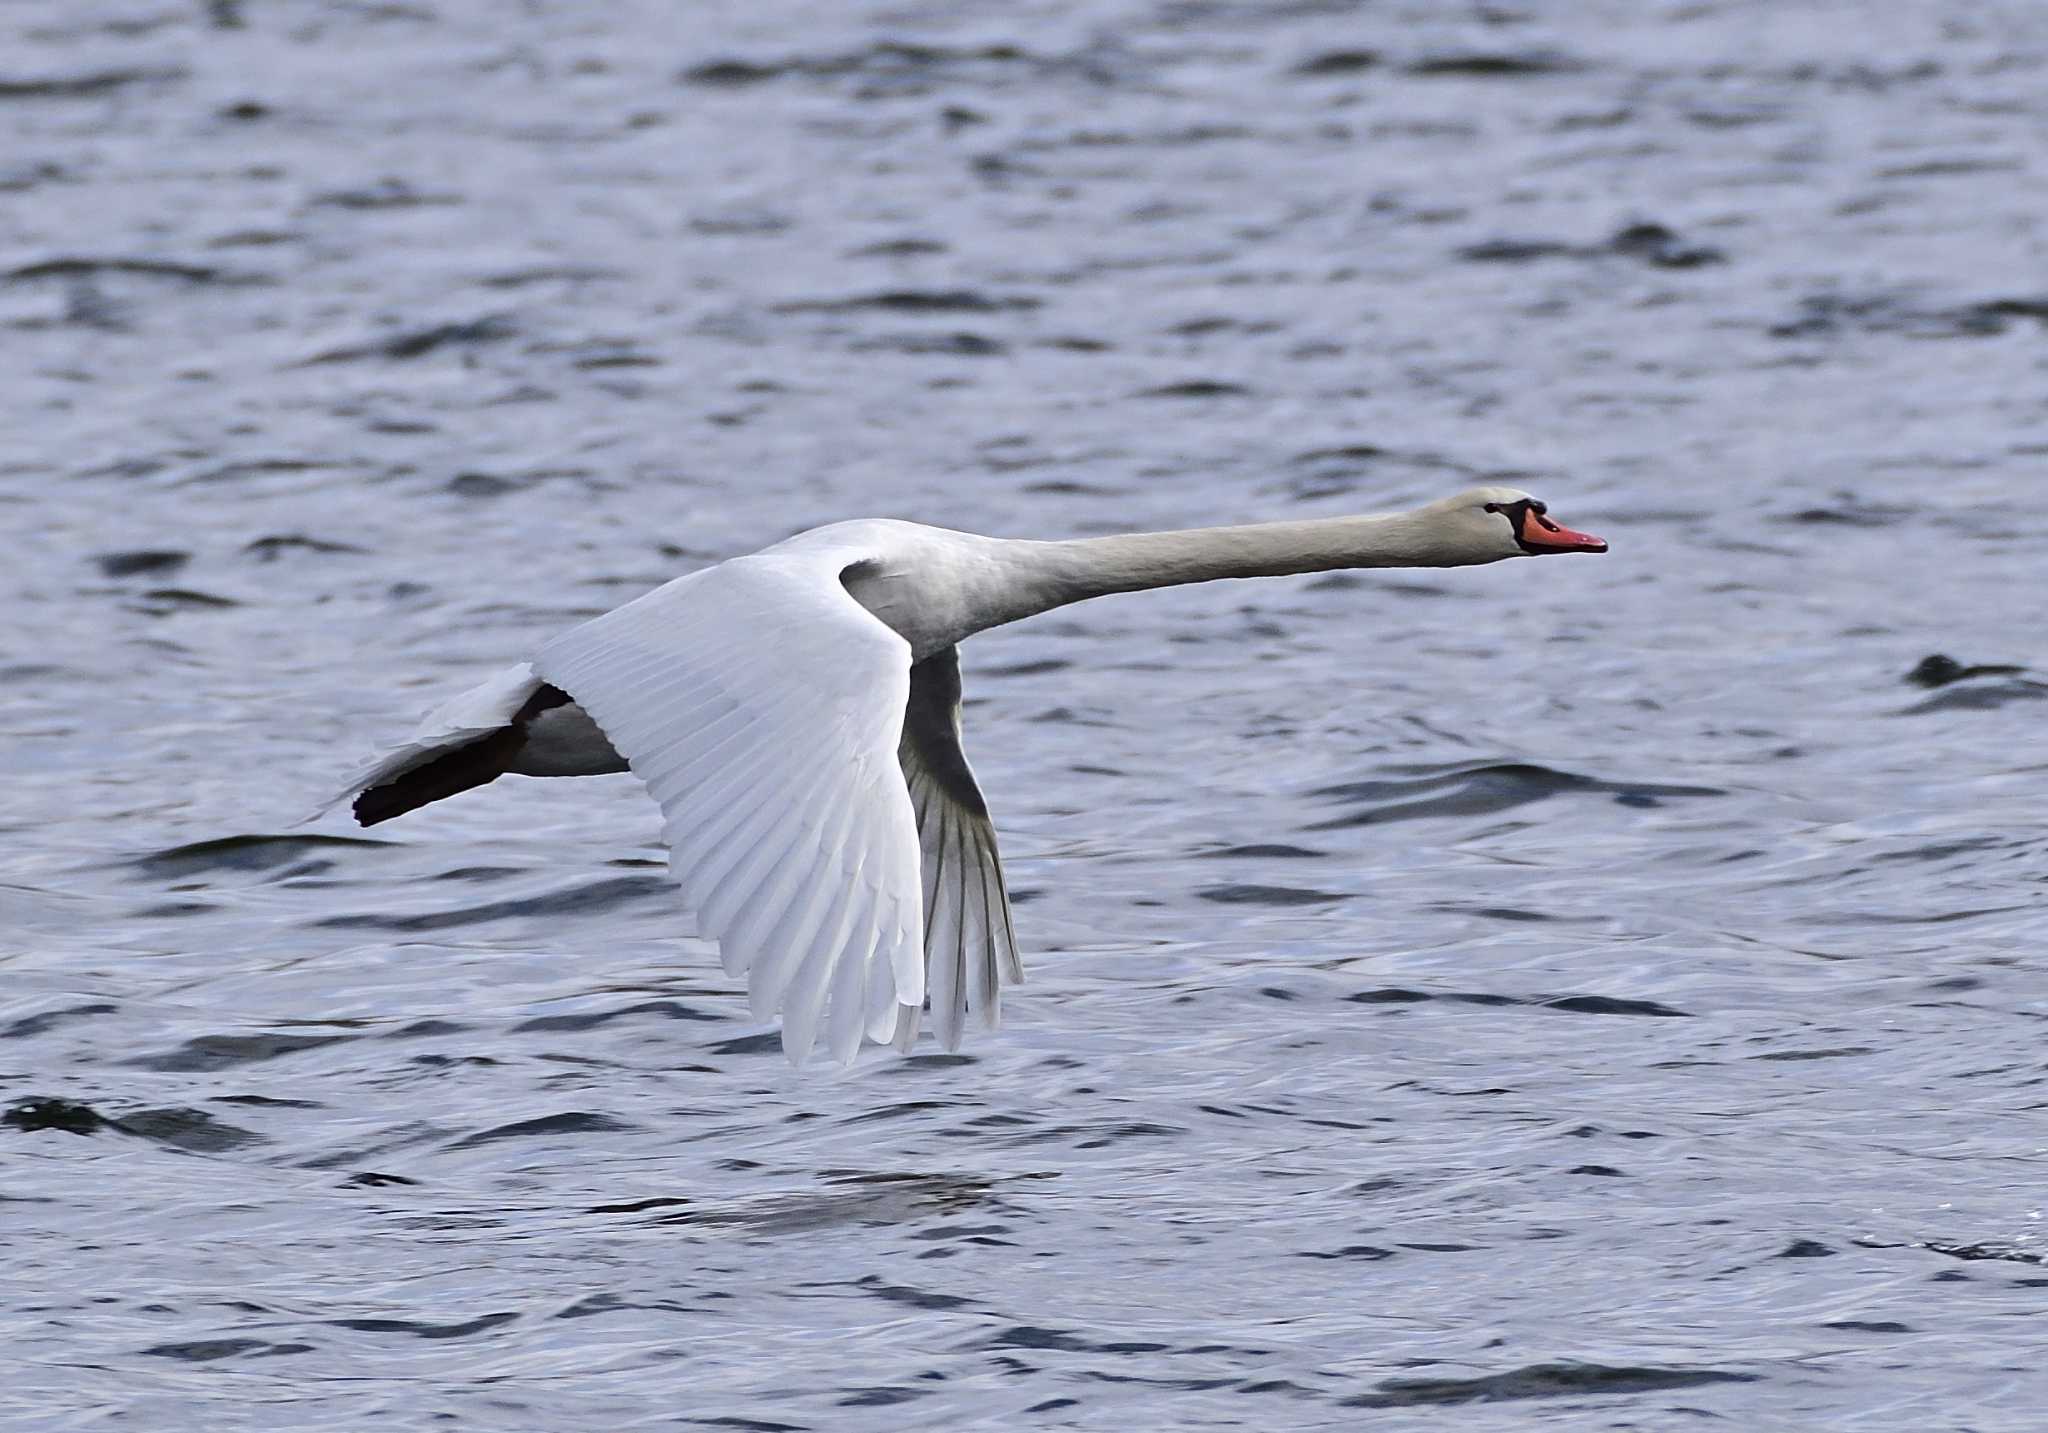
x,y
796,714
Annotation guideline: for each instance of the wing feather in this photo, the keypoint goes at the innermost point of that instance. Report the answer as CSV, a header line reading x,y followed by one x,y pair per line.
x,y
761,704
970,943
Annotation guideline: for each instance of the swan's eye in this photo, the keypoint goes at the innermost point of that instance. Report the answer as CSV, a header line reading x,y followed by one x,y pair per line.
x,y
1493,507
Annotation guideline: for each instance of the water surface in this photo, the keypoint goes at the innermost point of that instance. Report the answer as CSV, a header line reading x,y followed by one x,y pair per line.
x,y
1599,994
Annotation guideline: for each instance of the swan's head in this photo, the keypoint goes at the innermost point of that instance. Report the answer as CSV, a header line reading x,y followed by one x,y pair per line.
x,y
1507,522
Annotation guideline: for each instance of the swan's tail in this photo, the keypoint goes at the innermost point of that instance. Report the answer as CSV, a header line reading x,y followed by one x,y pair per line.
x,y
473,764
460,745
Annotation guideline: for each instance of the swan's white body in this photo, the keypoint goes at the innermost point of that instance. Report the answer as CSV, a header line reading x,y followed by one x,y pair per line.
x,y
795,713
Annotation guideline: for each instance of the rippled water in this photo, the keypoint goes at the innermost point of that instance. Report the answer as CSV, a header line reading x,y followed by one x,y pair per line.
x,y
1599,994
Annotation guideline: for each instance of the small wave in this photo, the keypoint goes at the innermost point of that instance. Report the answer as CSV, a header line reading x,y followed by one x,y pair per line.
x,y
1272,849
418,342
862,1199
1362,1253
209,1350
86,85
270,549
237,853
1980,697
1651,243
590,898
916,301
426,1330
1476,790
900,68
545,1126
217,1052
162,601
1337,62
1196,388
1970,1253
71,267
954,345
1831,315
151,561
41,1023
194,1131
593,1019
1496,64
1574,1004
1539,1380
1248,895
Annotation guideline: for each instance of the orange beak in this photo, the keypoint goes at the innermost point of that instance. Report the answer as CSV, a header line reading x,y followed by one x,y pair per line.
x,y
1539,535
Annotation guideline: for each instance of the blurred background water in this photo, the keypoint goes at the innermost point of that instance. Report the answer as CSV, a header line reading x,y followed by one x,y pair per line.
x,y
1599,994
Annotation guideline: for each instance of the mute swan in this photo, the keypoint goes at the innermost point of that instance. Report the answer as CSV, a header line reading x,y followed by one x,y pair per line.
x,y
796,714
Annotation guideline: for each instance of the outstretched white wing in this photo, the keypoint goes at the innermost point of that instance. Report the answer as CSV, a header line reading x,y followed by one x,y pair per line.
x,y
763,707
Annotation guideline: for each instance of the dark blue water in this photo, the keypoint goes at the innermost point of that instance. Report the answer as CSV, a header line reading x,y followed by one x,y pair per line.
x,y
1595,995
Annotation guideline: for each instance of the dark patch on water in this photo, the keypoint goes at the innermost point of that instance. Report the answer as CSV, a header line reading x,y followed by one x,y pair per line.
x,y
1496,64
1250,895
89,84
212,1350
1470,789
956,345
1338,62
219,1052
1361,1253
386,193
419,342
1540,1380
1196,388
544,1127
155,561
1575,1004
1653,244
74,267
483,485
270,549
1832,314
1938,670
194,1131
901,69
239,853
1609,1005
190,1130
28,1026
417,1329
590,898
1999,1253
594,1019
1805,1249
50,1112
909,1297
1998,684
1269,849
917,301
164,600
1869,1326
856,1200
764,1044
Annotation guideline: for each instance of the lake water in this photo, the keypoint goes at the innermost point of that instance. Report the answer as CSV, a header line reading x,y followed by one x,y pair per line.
x,y
1596,995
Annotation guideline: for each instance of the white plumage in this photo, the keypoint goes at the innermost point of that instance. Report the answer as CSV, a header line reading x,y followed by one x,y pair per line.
x,y
769,741
796,715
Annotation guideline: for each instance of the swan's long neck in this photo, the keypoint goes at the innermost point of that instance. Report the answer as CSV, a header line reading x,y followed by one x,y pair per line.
x,y
1057,573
